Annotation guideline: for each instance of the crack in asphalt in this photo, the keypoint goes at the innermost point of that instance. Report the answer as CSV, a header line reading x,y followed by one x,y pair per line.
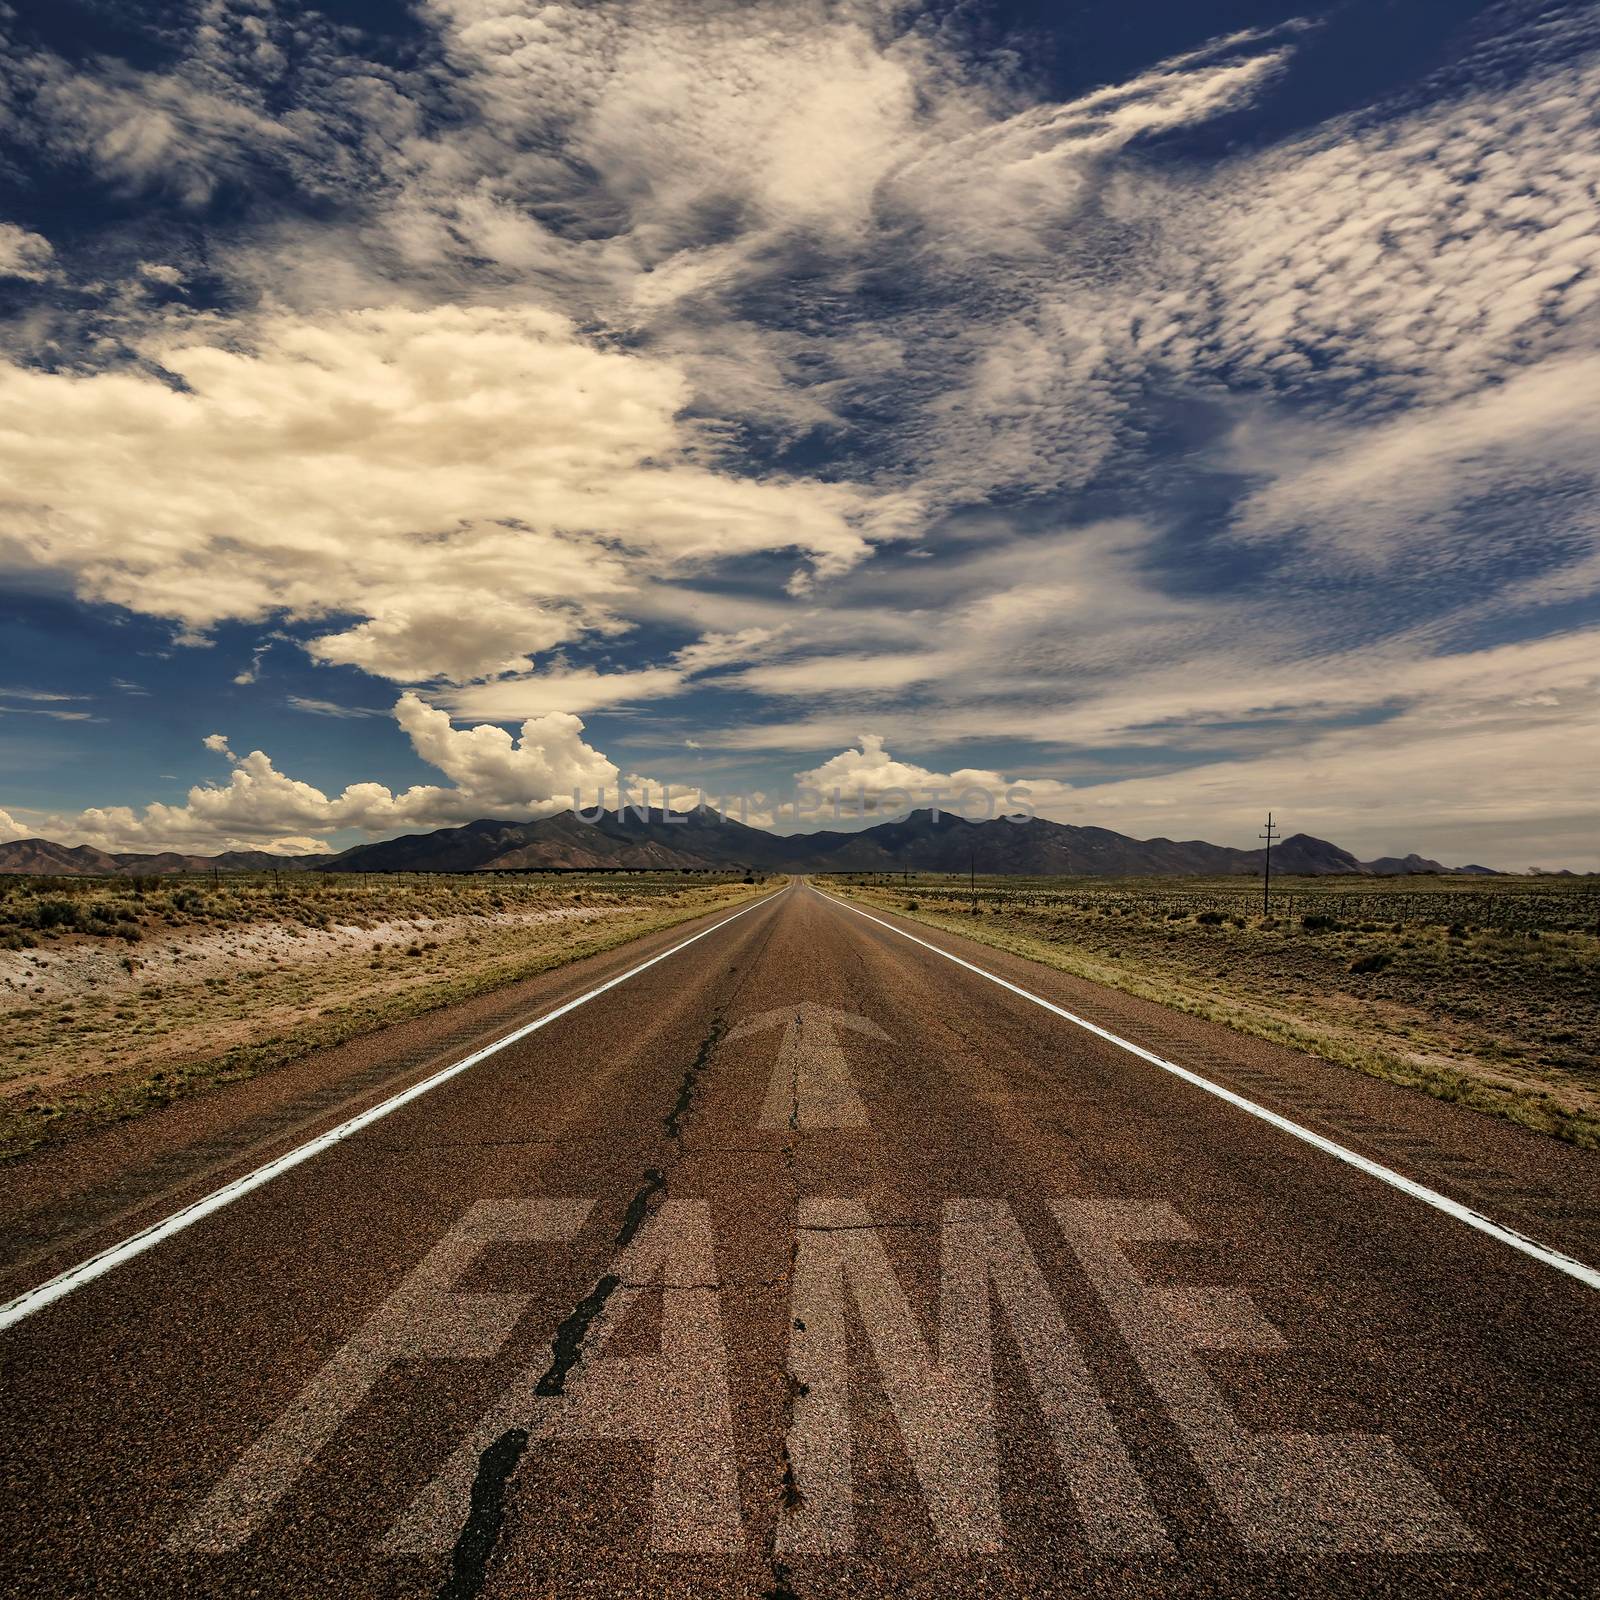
x,y
794,1091
865,1227
469,1561
475,1545
480,1534
790,1494
655,1183
568,1343
673,1120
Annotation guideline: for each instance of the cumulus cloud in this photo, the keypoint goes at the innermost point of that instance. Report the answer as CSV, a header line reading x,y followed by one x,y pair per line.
x,y
543,767
472,484
871,774
11,829
538,771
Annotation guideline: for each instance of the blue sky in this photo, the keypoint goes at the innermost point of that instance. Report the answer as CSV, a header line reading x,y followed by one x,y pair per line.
x,y
412,413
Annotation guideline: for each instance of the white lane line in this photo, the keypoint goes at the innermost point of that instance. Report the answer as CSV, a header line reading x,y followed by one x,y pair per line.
x,y
136,1244
1373,1169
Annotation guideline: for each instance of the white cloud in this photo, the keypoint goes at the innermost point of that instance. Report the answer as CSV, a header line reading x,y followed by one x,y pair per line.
x,y
872,774
1416,256
542,769
514,484
573,260
1405,258
329,708
548,763
714,650
539,694
1463,772
843,674
1380,491
25,255
11,829
42,703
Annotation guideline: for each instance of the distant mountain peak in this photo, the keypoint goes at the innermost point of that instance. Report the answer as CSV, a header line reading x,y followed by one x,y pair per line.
x,y
705,839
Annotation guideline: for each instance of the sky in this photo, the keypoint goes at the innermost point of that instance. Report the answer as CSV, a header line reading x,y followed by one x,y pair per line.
x,y
412,413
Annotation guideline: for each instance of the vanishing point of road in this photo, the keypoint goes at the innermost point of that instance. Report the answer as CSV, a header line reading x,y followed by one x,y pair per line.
x,y
803,1251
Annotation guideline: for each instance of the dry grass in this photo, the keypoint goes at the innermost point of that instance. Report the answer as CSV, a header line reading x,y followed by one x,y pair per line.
x,y
133,999
1482,992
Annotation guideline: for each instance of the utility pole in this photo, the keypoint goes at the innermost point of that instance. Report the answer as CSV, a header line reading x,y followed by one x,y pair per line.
x,y
1266,876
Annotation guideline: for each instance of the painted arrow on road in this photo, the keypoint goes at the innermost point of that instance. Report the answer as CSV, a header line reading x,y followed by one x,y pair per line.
x,y
811,1083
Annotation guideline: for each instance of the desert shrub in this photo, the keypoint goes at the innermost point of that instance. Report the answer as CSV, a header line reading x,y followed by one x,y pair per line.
x,y
1210,919
1375,962
54,913
1319,922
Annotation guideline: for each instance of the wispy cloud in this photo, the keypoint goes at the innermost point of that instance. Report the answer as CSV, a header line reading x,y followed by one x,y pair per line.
x,y
42,703
330,708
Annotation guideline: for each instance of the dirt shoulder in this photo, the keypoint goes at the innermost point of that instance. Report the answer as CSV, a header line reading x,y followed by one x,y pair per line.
x,y
1500,1014
219,984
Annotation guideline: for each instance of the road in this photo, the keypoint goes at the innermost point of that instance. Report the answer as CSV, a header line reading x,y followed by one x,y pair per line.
x,y
808,1261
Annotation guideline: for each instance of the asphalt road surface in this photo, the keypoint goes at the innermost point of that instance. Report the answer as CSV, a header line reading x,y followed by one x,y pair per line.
x,y
807,1261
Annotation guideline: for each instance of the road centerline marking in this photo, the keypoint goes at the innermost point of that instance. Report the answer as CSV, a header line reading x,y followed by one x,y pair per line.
x,y
1417,1191
56,1288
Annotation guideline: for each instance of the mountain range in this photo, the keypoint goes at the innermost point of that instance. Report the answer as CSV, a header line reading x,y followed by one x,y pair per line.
x,y
705,840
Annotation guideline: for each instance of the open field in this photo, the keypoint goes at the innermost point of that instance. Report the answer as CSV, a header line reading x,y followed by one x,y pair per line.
x,y
1484,992
119,995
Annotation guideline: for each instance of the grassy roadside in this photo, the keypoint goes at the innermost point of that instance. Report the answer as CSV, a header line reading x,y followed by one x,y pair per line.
x,y
222,993
1501,1015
